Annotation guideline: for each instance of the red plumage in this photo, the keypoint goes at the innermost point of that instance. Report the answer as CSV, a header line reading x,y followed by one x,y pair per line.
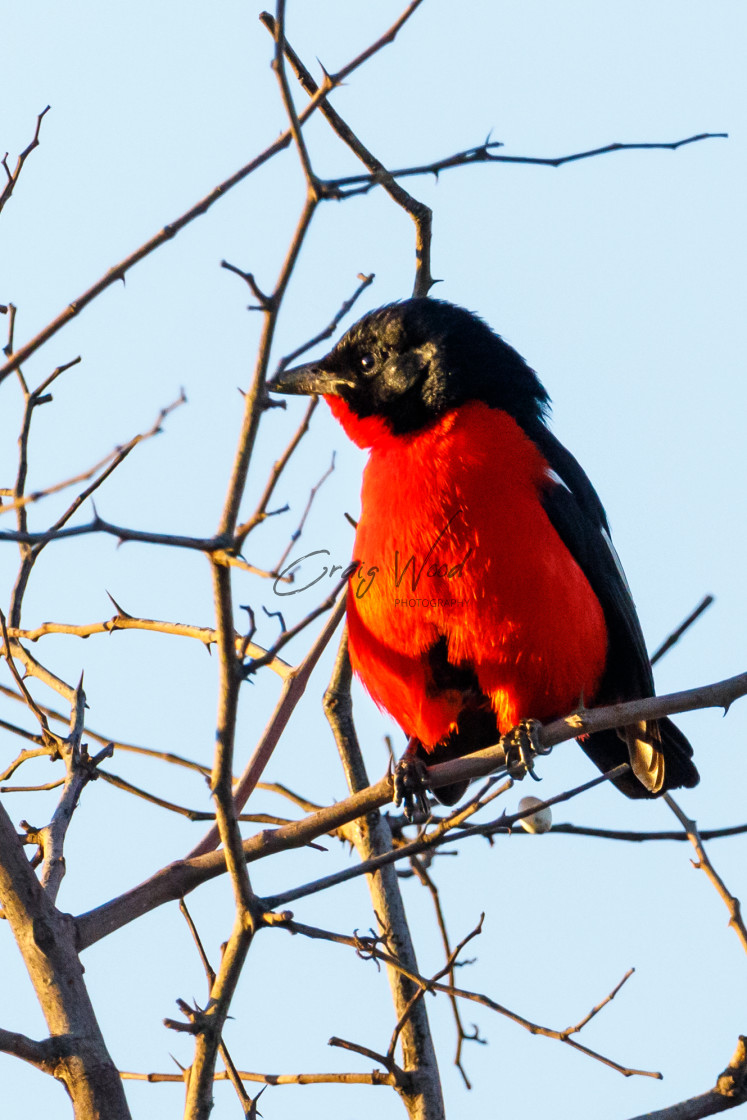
x,y
490,591
517,609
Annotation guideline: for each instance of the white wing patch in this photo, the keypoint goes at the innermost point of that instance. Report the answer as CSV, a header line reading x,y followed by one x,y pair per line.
x,y
555,477
616,558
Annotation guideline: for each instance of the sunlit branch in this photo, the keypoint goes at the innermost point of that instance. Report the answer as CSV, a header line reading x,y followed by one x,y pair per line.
x,y
183,876
376,1077
123,621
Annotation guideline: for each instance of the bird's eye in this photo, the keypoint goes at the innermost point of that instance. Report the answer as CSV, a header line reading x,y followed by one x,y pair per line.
x,y
367,363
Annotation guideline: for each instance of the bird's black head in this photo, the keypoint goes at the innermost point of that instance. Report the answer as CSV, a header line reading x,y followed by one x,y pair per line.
x,y
410,362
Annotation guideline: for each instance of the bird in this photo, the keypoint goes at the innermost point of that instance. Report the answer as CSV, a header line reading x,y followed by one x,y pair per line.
x,y
487,593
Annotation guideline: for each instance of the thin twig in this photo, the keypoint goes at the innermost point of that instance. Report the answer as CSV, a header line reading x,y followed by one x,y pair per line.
x,y
122,621
602,1004
399,1075
113,458
447,970
257,663
534,1028
182,810
418,211
704,864
13,176
675,636
260,514
463,1036
642,837
487,153
329,330
369,948
24,756
299,530
376,1077
9,654
208,545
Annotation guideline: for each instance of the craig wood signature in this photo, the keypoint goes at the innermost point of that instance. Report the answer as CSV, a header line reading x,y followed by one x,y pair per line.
x,y
366,576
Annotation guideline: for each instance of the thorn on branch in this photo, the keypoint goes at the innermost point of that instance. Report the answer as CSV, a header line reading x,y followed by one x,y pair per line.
x,y
121,612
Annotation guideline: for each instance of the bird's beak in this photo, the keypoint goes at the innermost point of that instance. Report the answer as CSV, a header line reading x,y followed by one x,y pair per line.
x,y
310,379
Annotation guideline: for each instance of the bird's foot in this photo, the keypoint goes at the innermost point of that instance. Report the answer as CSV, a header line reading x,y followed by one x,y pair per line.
x,y
411,786
521,745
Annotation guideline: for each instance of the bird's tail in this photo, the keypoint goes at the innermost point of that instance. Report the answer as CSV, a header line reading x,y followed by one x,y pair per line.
x,y
659,755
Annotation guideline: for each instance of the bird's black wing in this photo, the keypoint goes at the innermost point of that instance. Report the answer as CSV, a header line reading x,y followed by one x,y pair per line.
x,y
658,751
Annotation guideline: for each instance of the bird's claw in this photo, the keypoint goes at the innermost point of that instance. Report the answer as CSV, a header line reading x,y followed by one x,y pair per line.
x,y
411,786
521,745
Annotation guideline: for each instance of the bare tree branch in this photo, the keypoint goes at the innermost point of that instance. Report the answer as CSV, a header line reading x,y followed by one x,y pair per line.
x,y
233,1074
729,1091
463,1036
13,176
123,621
279,567
420,1089
293,690
184,875
376,1077
736,921
418,211
486,153
370,948
119,271
43,1054
642,837
46,940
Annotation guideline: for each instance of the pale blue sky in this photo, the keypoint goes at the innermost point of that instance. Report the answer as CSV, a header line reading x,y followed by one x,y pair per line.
x,y
620,279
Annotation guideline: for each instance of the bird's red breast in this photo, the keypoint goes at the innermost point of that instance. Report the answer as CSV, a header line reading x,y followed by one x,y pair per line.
x,y
452,519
